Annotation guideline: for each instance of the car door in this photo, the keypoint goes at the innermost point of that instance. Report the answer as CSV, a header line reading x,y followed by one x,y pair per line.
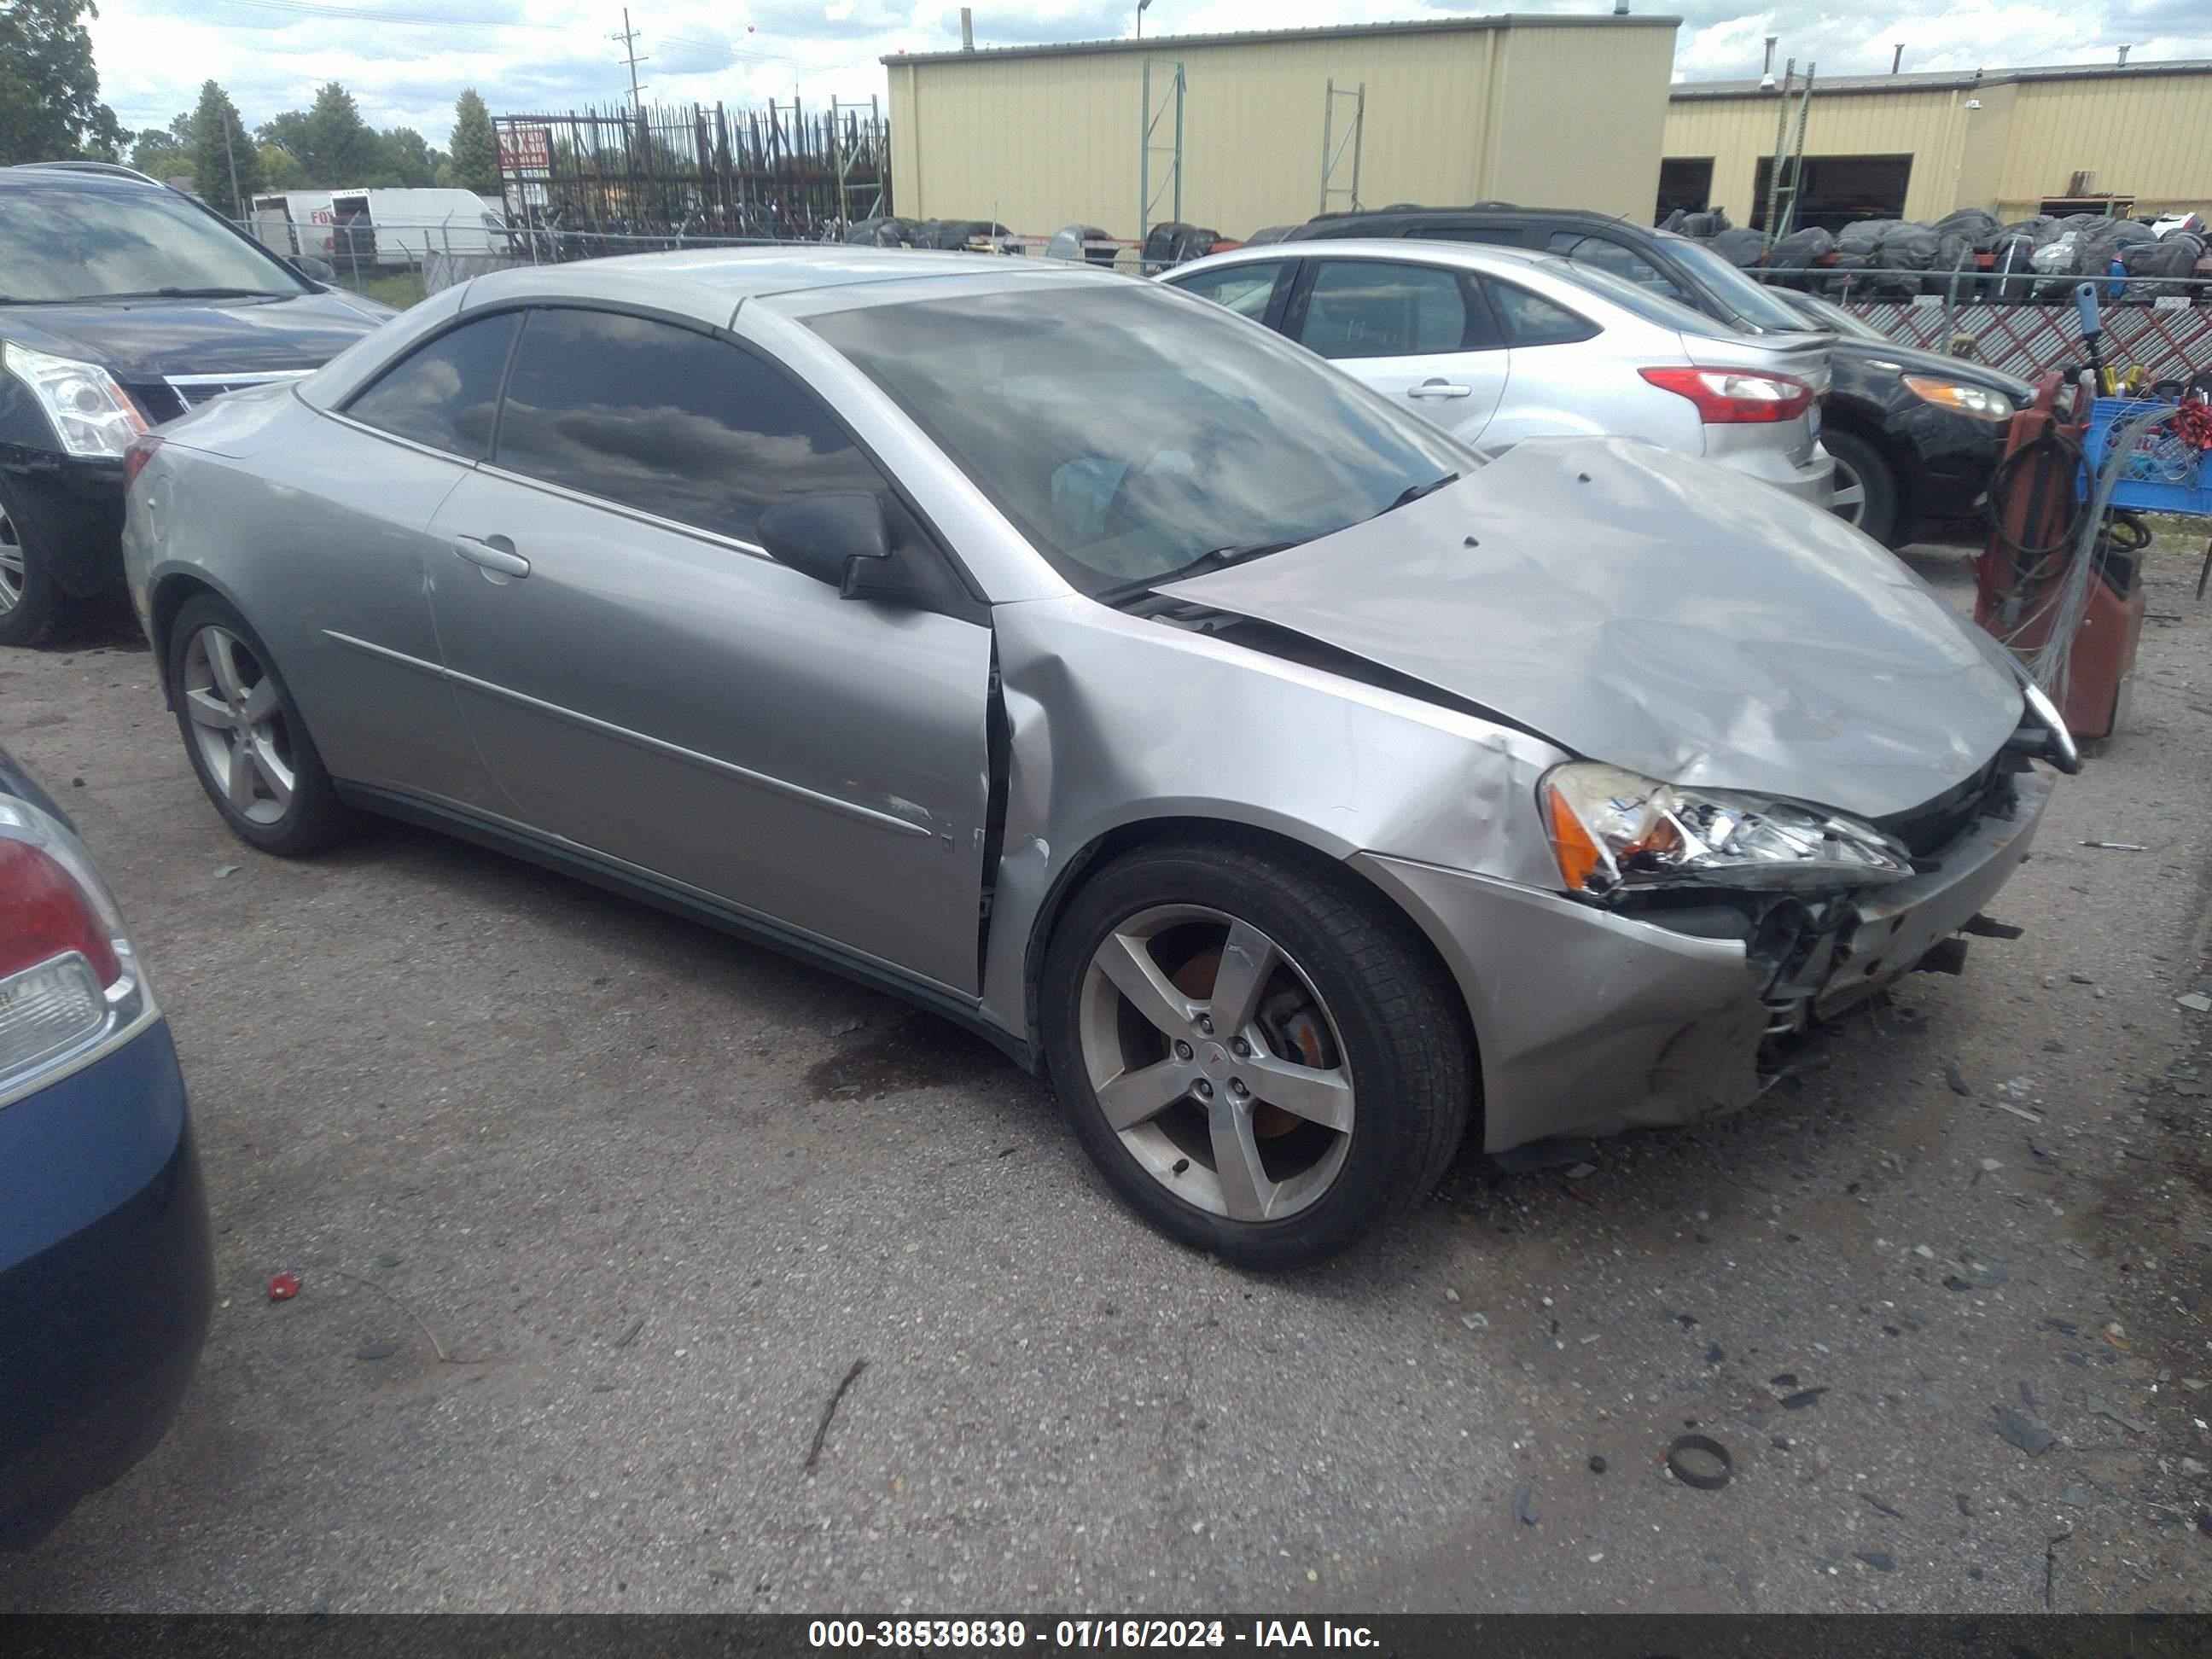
x,y
1419,334
647,684
371,675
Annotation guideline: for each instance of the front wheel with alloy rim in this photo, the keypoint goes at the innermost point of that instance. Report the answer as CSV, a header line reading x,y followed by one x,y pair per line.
x,y
244,733
1262,1056
28,601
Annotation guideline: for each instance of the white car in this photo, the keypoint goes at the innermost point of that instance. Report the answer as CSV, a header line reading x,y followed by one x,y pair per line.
x,y
1495,345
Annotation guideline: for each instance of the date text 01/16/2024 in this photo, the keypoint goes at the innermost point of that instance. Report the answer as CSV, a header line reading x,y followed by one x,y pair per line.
x,y
1008,1635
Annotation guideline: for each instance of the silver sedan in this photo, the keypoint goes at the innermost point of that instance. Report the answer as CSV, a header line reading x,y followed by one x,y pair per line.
x,y
1497,344
1111,676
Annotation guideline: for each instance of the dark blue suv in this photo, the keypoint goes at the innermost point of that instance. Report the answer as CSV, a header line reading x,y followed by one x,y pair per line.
x,y
122,303
106,1279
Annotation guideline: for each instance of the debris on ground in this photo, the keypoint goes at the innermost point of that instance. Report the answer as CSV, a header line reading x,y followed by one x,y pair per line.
x,y
1475,1322
1699,1461
1880,1560
222,869
2101,1407
1802,1398
1893,1514
2195,1001
821,1428
1957,1079
2119,845
1524,1504
283,1287
630,1335
1597,1465
376,1351
1552,1152
2032,1435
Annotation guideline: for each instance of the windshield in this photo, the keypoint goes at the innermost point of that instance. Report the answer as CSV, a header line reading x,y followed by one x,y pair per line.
x,y
1827,314
61,244
1750,302
1640,301
1128,432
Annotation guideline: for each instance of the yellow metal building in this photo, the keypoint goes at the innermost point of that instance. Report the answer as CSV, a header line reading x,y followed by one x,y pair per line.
x,y
1544,111
1919,146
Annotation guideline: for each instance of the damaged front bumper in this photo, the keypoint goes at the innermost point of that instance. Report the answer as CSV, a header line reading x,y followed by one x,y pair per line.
x,y
1590,1020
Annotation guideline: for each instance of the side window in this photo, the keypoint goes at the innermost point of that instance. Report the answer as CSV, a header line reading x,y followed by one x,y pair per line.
x,y
442,393
674,423
1363,308
1608,255
1529,319
1244,289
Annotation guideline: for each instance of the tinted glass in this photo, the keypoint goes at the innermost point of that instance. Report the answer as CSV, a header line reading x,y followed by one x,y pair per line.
x,y
1529,319
1127,433
1640,301
1607,254
1495,235
1823,313
1243,288
100,242
1751,303
443,393
1360,308
675,424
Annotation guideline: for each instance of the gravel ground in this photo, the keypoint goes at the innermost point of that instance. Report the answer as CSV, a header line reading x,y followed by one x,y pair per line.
x,y
595,1209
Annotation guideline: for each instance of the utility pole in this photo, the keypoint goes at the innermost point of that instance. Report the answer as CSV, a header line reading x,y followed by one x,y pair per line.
x,y
628,37
237,201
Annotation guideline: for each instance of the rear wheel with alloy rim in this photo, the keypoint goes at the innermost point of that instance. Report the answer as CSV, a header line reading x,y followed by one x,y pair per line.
x,y
1262,1056
245,736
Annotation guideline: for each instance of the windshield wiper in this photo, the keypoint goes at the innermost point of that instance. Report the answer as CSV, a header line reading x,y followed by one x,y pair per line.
x,y
1218,558
1414,492
193,293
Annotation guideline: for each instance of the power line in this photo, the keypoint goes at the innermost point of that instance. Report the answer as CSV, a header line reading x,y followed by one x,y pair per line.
x,y
313,10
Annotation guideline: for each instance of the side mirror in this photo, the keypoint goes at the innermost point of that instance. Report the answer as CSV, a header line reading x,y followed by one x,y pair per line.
x,y
315,269
837,537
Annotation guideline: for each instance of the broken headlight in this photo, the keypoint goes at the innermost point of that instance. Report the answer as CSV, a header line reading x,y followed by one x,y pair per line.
x,y
1612,829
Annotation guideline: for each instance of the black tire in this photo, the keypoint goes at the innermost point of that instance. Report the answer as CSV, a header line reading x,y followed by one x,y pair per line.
x,y
1877,514
30,602
1403,1028
311,817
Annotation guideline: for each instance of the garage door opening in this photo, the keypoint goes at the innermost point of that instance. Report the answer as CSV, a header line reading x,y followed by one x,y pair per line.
x,y
1838,189
1686,182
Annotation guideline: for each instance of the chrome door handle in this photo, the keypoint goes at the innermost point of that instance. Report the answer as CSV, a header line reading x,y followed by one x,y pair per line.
x,y
495,553
1439,389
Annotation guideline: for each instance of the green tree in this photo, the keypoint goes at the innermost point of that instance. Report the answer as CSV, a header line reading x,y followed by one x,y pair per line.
x,y
220,150
50,107
281,169
407,158
335,146
475,150
159,153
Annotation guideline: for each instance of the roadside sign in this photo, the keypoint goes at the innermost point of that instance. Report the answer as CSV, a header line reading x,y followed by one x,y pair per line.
x,y
525,148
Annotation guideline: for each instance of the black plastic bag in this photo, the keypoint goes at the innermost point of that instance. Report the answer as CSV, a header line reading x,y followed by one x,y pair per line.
x,y
1794,256
1742,248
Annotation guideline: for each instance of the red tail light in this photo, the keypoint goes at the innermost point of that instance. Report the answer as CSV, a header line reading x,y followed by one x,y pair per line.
x,y
44,915
1728,397
140,452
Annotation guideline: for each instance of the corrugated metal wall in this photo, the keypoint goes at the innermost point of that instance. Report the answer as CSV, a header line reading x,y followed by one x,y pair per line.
x,y
2145,134
2150,137
1737,131
1544,115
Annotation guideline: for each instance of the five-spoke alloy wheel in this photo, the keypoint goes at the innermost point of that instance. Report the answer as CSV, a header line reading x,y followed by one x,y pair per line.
x,y
245,735
1262,1055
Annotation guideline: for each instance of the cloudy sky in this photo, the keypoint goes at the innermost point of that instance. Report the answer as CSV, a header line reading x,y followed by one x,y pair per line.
x,y
405,59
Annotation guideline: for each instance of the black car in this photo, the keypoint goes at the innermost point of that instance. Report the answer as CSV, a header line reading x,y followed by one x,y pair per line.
x,y
1915,435
122,303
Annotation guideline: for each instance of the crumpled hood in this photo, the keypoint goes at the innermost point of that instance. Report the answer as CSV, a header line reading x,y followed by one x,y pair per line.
x,y
1661,613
